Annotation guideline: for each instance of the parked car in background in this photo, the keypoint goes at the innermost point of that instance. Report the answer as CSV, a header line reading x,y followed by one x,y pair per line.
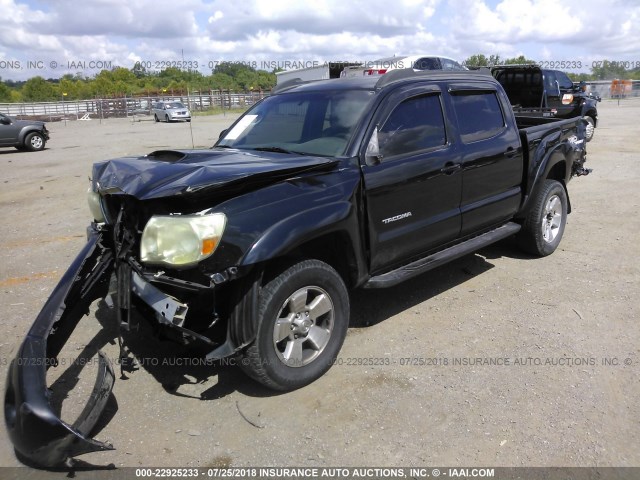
x,y
170,111
541,92
22,134
417,62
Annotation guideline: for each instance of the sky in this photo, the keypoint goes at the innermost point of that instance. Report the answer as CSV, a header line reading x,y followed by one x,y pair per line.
x,y
52,38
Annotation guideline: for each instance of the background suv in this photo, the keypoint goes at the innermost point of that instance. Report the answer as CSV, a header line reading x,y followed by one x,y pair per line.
x,y
22,134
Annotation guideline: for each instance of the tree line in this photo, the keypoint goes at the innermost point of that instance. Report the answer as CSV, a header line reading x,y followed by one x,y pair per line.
x,y
119,81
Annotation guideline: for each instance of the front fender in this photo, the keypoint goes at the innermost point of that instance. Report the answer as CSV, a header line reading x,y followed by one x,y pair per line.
x,y
297,229
277,240
37,433
26,131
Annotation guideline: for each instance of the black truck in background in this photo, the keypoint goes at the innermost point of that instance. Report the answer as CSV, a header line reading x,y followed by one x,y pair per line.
x,y
541,92
250,248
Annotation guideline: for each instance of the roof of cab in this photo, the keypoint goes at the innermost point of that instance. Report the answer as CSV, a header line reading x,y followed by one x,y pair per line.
x,y
377,82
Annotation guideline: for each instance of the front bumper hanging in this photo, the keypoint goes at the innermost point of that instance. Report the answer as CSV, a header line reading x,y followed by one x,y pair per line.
x,y
38,434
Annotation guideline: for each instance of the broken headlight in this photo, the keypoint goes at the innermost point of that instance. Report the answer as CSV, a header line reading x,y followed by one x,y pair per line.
x,y
95,205
181,240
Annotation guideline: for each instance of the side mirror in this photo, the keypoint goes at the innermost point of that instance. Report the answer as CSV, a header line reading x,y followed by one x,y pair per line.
x,y
223,133
372,156
5,121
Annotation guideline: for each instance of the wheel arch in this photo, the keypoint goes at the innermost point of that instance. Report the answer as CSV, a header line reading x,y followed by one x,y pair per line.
x,y
26,131
558,172
550,169
593,113
334,248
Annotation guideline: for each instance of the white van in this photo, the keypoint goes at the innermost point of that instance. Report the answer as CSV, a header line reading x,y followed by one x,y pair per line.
x,y
323,71
417,62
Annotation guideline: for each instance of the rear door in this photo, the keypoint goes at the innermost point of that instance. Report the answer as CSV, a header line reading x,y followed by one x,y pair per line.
x,y
492,161
413,193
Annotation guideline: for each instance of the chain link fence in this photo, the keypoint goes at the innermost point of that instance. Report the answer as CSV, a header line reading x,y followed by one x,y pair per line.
x,y
134,107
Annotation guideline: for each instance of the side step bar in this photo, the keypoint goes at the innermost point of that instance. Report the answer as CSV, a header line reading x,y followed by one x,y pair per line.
x,y
425,264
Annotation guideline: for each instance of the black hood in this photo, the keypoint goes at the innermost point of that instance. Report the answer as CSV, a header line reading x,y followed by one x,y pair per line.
x,y
167,173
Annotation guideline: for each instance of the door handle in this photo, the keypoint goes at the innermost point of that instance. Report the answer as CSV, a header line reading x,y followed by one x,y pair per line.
x,y
511,152
450,168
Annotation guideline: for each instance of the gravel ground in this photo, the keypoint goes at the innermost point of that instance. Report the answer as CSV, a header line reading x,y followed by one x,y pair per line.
x,y
495,359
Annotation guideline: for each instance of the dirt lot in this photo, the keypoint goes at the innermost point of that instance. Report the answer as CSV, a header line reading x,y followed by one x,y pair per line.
x,y
411,386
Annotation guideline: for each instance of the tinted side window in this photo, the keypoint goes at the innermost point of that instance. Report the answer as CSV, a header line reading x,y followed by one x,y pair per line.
x,y
550,81
416,124
427,63
450,64
563,80
479,115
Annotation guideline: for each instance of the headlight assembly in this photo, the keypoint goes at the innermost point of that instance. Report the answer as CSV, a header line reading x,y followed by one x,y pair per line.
x,y
181,240
95,207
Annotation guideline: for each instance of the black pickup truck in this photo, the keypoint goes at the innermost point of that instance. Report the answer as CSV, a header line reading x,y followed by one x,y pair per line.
x,y
251,247
535,91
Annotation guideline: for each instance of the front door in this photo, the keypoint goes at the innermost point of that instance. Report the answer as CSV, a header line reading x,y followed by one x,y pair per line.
x,y
413,189
558,86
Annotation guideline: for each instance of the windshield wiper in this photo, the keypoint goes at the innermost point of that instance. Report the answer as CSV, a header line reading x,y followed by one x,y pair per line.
x,y
272,149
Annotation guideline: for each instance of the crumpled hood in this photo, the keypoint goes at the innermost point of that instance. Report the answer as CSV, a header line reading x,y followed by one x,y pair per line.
x,y
166,173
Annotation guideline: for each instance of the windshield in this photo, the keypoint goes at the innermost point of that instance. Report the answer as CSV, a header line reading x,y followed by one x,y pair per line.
x,y
175,105
310,123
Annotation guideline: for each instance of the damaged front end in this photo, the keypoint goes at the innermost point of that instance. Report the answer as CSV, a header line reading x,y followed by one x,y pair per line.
x,y
156,227
106,267
38,434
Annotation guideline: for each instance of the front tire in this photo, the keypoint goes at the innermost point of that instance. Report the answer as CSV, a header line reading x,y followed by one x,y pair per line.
x,y
543,228
303,316
155,118
34,142
166,118
591,127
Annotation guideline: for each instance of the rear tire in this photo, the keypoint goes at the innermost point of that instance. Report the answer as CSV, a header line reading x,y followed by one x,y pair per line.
x,y
303,316
543,228
155,118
